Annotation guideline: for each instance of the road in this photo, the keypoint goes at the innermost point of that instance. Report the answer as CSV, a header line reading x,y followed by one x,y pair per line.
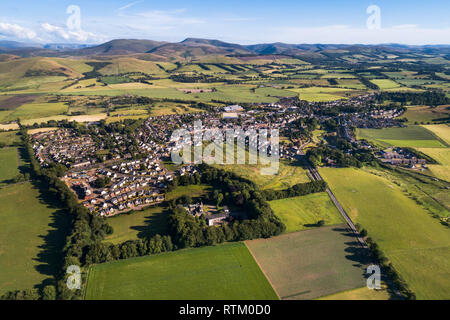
x,y
316,176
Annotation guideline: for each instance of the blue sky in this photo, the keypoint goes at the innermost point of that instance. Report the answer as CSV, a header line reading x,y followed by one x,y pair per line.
x,y
246,22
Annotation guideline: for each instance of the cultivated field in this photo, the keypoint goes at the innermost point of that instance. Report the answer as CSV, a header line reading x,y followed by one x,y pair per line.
x,y
31,236
363,293
311,263
411,238
304,212
411,136
221,272
425,114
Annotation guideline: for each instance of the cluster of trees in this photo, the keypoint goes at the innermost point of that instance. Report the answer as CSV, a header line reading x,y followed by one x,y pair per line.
x,y
100,252
188,231
389,269
300,128
300,189
316,156
430,97
96,66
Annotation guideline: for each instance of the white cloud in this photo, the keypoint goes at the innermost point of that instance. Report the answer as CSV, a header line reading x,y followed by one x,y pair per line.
x,y
60,33
16,31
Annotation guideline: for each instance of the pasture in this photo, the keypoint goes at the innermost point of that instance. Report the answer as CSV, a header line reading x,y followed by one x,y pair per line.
x,y
289,174
137,225
31,236
225,272
37,110
311,263
304,212
9,138
425,114
441,155
411,238
9,166
411,136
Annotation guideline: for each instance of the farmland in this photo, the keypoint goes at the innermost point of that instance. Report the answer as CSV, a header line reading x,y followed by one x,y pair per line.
x,y
441,155
411,136
304,212
28,261
222,272
414,241
311,263
9,167
425,114
288,175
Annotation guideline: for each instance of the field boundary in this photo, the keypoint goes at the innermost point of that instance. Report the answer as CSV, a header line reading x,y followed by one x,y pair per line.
x,y
262,270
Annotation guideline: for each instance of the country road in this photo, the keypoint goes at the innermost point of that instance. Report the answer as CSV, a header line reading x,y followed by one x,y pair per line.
x,y
316,176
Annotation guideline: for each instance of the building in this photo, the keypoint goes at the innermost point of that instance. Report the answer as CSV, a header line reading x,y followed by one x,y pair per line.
x,y
233,108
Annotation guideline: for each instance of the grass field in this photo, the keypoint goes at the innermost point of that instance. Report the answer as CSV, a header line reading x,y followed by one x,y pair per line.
x,y
8,138
192,190
411,136
424,114
441,155
223,272
31,236
312,263
288,175
304,212
415,242
385,83
441,130
9,166
37,110
138,225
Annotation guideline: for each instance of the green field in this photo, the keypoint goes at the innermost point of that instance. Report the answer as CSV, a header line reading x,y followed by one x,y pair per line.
x,y
36,110
311,263
192,190
288,175
224,272
425,114
441,155
385,83
31,238
416,243
304,212
9,138
411,136
9,166
137,225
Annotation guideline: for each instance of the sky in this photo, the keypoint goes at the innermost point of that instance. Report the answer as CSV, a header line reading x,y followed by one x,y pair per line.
x,y
245,21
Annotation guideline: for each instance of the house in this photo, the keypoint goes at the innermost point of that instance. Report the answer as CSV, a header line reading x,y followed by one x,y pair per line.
x,y
233,108
215,219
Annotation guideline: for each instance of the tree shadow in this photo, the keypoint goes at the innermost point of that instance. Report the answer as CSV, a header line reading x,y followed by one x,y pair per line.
x,y
362,258
154,224
50,257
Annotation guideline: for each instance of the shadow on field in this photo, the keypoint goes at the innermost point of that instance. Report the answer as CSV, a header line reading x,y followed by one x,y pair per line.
x,y
50,256
362,258
154,224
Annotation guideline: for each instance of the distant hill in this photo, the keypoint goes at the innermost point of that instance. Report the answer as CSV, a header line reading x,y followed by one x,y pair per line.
x,y
196,48
119,47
